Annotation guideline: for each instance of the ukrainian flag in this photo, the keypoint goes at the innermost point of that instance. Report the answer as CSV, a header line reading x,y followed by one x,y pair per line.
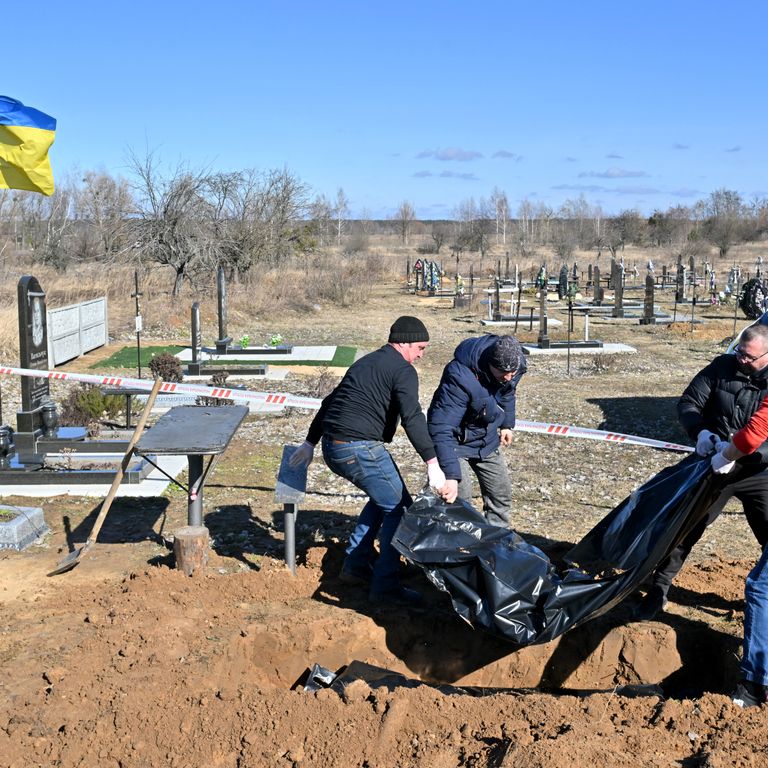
x,y
26,135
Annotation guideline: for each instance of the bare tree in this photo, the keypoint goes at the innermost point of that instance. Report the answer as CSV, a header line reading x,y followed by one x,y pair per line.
x,y
340,212
256,217
581,220
724,225
439,233
320,211
48,225
105,204
174,218
473,222
405,216
670,227
11,237
501,214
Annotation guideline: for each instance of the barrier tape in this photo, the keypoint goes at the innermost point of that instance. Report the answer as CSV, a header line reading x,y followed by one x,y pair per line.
x,y
313,403
269,398
596,434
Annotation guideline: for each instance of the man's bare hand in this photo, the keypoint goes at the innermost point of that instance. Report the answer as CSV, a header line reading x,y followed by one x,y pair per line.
x,y
449,491
506,436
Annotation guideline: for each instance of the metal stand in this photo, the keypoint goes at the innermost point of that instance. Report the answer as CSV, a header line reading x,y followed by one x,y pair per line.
x,y
289,524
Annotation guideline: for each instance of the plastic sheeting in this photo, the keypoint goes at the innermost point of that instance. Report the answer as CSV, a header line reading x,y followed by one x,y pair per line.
x,y
504,585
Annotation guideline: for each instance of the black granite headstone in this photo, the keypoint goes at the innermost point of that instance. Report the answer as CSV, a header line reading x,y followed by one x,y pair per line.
x,y
33,352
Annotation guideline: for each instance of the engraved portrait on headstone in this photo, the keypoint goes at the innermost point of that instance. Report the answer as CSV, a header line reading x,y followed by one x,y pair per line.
x,y
33,341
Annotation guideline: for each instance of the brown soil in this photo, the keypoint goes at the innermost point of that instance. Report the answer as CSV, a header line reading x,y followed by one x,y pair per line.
x,y
126,662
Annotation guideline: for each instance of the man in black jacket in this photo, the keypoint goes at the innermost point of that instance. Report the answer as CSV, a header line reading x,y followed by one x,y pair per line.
x,y
719,401
379,391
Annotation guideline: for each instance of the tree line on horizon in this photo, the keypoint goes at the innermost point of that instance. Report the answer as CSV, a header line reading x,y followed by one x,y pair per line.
x,y
195,221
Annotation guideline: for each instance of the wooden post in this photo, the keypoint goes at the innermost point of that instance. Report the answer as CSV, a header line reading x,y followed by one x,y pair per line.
x,y
190,548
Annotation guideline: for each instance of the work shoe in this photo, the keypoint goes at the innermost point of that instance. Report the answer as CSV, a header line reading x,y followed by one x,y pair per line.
x,y
653,603
749,694
399,596
356,574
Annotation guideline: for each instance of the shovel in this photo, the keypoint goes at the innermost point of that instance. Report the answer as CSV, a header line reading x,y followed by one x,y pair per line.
x,y
74,557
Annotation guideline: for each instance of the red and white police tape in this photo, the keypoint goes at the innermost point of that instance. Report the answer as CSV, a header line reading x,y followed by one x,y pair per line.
x,y
176,388
596,434
294,401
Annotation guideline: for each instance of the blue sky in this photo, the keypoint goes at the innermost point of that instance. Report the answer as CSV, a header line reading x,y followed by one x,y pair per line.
x,y
634,105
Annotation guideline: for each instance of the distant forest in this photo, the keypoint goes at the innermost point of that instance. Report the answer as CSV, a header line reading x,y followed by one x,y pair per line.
x,y
196,221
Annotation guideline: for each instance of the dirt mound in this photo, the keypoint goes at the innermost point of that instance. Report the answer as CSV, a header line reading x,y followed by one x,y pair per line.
x,y
164,670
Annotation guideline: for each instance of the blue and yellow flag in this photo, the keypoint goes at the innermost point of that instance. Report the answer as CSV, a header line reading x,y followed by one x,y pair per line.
x,y
26,135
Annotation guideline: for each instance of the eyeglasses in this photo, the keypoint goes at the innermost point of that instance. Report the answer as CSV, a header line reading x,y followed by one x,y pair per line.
x,y
739,352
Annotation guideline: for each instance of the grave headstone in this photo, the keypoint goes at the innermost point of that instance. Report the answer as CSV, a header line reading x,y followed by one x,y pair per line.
x,y
692,267
543,339
197,340
649,316
37,420
33,353
562,282
223,342
496,301
680,283
597,290
617,278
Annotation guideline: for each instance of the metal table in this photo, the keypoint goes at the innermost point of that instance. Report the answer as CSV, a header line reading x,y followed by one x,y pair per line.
x,y
194,431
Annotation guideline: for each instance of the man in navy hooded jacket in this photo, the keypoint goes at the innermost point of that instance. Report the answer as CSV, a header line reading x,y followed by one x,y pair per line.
x,y
472,414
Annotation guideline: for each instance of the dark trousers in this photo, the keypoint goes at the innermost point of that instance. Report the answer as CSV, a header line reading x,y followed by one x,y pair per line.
x,y
750,487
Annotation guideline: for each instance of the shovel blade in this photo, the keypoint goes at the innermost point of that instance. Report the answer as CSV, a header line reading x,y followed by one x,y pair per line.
x,y
71,560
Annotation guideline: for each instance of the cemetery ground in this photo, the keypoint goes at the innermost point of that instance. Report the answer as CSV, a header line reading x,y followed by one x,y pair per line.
x,y
125,661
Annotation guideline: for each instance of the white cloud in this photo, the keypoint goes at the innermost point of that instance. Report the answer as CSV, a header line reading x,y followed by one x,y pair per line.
x,y
613,173
451,154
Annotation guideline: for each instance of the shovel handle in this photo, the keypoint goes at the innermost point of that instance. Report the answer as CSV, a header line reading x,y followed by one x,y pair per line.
x,y
124,463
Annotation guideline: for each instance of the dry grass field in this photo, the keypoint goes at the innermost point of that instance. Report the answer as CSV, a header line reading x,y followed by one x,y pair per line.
x,y
125,662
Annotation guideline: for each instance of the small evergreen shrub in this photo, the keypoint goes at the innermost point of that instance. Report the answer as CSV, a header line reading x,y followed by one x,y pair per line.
x,y
86,406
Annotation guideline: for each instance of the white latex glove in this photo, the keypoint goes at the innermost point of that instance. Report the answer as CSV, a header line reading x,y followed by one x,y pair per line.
x,y
450,491
302,456
436,476
705,442
721,465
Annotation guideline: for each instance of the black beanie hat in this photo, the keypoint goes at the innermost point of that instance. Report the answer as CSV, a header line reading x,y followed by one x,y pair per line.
x,y
407,329
507,353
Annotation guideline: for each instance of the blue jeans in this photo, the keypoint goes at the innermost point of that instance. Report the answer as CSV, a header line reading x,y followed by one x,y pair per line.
x,y
754,664
368,465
